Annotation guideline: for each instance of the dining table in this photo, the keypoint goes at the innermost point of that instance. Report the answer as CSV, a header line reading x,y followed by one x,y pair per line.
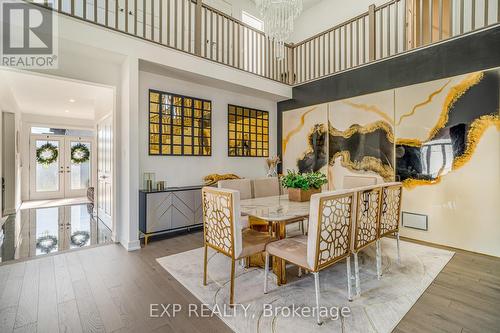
x,y
277,211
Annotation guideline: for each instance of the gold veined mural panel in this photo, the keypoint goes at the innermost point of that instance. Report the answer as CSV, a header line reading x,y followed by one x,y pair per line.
x,y
361,139
305,139
448,156
468,107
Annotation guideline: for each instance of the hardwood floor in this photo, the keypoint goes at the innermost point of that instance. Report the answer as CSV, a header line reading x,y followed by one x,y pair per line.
x,y
107,289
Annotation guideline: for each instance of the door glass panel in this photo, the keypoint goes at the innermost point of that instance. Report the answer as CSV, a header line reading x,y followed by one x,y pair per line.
x,y
47,175
80,226
46,230
80,172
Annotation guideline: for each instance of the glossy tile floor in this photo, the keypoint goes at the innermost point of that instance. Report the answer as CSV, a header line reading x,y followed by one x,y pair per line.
x,y
40,231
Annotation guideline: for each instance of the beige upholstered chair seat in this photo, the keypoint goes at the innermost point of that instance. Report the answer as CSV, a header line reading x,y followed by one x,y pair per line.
x,y
254,242
293,249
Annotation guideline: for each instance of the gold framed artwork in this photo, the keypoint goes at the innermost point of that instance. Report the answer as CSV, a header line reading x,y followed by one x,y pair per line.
x,y
248,132
179,125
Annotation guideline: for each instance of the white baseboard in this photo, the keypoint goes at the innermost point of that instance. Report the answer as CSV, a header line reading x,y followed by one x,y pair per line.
x,y
132,246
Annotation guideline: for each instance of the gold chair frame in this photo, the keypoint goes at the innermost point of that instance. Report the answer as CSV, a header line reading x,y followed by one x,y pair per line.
x,y
392,227
373,221
318,266
213,239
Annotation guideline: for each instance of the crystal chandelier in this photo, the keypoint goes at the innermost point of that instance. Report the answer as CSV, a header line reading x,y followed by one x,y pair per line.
x,y
278,16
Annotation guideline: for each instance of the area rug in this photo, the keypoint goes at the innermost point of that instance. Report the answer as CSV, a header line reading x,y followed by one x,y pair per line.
x,y
382,303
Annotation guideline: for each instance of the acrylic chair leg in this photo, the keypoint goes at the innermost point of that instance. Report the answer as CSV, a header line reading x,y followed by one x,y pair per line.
x,y
356,274
349,291
266,272
379,260
316,285
205,267
397,243
231,293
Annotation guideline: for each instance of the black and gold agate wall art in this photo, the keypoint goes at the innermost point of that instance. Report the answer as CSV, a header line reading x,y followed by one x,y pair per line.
x,y
448,157
440,138
305,139
248,132
348,139
179,125
440,133
361,140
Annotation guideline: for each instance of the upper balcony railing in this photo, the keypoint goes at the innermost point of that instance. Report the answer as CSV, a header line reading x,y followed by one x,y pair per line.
x,y
190,26
390,29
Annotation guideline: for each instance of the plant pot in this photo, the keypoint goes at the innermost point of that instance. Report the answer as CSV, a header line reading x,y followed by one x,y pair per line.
x,y
297,194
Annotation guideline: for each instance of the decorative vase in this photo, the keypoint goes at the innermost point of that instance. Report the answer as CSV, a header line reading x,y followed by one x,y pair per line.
x,y
300,195
272,172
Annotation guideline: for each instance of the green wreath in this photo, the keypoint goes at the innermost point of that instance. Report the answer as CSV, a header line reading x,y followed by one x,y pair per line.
x,y
47,154
79,153
80,238
46,243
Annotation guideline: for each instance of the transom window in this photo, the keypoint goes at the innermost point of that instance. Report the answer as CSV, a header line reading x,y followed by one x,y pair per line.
x,y
179,125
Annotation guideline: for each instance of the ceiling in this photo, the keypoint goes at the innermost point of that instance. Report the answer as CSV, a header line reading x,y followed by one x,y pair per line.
x,y
310,3
46,95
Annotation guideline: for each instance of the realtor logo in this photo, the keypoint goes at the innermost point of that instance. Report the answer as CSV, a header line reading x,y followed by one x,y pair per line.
x,y
28,36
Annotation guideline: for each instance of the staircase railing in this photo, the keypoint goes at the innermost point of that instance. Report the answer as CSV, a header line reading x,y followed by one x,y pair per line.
x,y
390,29
186,25
198,29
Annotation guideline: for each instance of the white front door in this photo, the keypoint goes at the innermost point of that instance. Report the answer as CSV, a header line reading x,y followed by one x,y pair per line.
x,y
62,177
47,178
104,171
78,174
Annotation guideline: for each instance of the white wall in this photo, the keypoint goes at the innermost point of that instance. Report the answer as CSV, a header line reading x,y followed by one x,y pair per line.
x,y
327,14
12,167
185,170
127,193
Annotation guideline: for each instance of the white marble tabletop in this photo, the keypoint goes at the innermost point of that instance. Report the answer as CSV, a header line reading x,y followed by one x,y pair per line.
x,y
274,209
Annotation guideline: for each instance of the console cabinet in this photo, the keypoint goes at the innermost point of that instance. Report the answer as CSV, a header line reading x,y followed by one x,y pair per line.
x,y
174,208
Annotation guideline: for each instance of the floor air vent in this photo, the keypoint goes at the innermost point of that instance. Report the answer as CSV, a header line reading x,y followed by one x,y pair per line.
x,y
415,221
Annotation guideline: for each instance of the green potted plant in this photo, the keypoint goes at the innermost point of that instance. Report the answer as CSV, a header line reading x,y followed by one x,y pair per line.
x,y
302,185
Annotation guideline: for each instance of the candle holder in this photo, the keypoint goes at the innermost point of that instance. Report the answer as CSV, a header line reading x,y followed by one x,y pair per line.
x,y
149,180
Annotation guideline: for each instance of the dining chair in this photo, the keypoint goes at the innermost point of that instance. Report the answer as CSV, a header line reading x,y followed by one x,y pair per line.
x,y
266,187
223,232
328,240
244,186
390,212
270,186
366,226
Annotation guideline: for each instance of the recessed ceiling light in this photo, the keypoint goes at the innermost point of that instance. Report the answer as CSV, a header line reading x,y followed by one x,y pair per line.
x,y
72,100
67,111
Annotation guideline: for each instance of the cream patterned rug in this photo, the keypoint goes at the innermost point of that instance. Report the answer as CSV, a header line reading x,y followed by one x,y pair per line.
x,y
382,303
